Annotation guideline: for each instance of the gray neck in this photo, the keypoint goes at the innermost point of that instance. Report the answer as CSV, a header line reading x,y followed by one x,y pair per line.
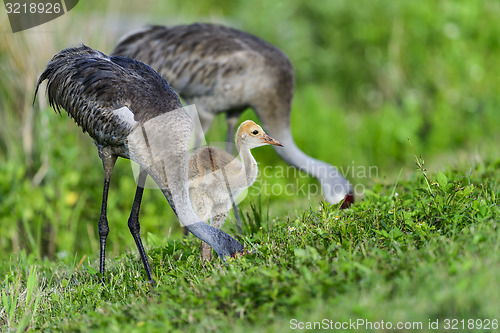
x,y
334,185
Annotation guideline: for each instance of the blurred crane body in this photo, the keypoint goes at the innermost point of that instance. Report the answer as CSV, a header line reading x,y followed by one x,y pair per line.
x,y
220,69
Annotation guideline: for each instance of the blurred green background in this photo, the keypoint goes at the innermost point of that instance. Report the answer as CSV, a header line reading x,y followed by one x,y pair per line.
x,y
369,75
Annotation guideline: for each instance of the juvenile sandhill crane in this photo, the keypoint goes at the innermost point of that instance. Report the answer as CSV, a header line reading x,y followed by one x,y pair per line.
x,y
221,69
127,108
216,177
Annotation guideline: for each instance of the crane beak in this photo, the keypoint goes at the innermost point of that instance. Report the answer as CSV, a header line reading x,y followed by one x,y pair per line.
x,y
269,140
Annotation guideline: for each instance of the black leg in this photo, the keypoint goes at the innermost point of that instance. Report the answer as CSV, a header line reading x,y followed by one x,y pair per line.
x,y
103,227
108,162
134,225
239,225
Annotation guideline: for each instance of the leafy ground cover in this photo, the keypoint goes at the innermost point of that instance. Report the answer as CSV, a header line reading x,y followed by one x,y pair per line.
x,y
415,251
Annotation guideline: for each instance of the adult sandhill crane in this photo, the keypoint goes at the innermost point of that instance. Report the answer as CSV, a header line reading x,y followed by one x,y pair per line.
x,y
216,177
221,69
131,111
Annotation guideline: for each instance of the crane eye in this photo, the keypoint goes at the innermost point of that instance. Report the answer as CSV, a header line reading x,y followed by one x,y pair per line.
x,y
255,132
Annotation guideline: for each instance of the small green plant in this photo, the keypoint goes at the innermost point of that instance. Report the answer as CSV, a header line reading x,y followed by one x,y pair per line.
x,y
20,300
257,218
450,201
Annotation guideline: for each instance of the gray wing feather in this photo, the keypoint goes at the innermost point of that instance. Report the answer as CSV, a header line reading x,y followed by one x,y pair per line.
x,y
89,85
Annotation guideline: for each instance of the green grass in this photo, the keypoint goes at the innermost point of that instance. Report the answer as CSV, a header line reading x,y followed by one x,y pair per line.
x,y
418,250
417,246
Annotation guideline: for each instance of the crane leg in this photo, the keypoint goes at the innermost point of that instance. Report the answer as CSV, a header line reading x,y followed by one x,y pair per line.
x,y
135,226
108,162
232,118
206,120
206,252
216,221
